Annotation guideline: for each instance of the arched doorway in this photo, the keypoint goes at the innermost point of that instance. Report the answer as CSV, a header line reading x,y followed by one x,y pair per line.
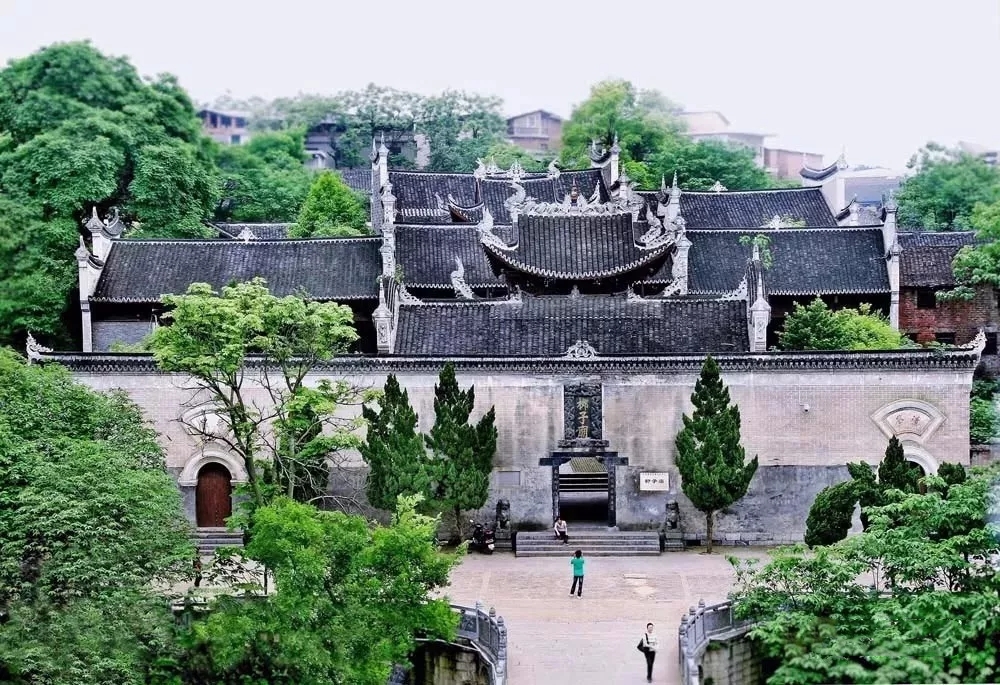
x,y
213,496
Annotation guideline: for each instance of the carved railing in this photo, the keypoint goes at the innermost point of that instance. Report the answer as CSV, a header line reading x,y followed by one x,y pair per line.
x,y
487,632
698,627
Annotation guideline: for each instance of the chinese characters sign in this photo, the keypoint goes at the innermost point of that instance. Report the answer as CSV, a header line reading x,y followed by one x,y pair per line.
x,y
654,481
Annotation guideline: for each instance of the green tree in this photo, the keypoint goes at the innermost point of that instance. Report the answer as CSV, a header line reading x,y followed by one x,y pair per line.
x,y
505,154
40,273
945,189
926,615
699,165
815,327
830,515
461,453
393,449
712,463
461,128
895,471
286,444
82,128
265,180
89,522
952,473
350,601
330,209
641,120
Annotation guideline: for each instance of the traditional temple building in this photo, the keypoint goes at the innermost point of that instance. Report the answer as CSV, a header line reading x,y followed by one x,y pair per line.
x,y
582,309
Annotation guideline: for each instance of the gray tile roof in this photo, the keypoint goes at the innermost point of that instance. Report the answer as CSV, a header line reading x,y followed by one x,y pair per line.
x,y
925,261
329,269
358,180
548,326
417,189
577,247
804,261
743,209
426,255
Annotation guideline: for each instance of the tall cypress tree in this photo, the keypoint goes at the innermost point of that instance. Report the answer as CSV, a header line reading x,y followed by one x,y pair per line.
x,y
895,471
713,467
393,449
462,454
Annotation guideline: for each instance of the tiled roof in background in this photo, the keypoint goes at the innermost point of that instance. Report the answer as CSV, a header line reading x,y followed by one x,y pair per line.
x,y
925,261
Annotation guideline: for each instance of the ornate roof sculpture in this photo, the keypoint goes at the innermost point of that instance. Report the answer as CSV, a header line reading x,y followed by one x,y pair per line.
x,y
34,351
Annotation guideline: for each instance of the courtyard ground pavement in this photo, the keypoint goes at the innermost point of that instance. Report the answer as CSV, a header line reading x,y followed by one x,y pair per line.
x,y
555,639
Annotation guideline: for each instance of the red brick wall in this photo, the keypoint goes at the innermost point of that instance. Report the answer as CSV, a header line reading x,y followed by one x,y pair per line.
x,y
964,318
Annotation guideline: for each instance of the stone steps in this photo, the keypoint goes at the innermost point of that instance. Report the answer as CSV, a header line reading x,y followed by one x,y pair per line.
x,y
595,543
210,539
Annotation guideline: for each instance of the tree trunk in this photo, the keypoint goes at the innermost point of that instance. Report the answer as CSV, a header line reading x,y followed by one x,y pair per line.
x,y
458,524
710,524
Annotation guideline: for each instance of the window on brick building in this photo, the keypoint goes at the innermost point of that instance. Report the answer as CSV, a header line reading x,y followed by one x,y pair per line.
x,y
991,344
945,338
926,299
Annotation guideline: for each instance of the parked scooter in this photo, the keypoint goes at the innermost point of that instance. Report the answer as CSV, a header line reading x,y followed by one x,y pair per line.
x,y
483,538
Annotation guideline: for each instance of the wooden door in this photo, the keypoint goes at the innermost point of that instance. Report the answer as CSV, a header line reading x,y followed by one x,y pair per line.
x,y
213,500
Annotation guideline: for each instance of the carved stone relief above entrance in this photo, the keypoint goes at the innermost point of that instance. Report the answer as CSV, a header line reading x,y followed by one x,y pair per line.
x,y
911,420
583,415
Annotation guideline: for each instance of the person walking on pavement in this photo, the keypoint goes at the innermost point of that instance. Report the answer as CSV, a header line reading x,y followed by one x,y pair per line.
x,y
576,561
562,530
648,645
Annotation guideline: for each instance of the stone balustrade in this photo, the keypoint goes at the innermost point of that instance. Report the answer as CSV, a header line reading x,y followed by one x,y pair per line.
x,y
698,627
487,632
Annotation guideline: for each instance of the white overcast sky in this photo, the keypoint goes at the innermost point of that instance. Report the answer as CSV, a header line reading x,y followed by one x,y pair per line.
x,y
875,77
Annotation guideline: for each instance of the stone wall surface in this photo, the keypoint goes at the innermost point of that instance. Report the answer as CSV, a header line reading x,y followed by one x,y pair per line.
x,y
731,661
803,426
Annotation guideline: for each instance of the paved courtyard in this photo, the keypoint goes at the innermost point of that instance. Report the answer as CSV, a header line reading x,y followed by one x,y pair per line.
x,y
561,640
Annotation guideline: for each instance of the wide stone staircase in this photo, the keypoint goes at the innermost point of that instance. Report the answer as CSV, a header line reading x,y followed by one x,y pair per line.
x,y
594,542
210,539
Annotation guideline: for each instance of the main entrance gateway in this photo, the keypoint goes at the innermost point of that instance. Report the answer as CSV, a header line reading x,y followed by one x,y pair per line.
x,y
583,470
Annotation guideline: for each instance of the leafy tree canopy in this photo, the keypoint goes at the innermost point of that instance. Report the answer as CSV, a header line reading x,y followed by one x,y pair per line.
x,y
80,128
350,601
264,180
815,327
210,337
89,521
909,600
944,191
331,209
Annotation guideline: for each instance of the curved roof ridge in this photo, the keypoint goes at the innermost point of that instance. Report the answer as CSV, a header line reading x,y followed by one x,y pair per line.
x,y
268,241
795,189
791,229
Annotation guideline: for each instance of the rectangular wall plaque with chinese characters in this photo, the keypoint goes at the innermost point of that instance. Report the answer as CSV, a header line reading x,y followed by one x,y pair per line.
x,y
582,413
654,481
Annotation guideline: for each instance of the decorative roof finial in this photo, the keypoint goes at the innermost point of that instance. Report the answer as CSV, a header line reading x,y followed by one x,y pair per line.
x,y
373,155
674,184
890,203
615,149
574,191
33,350
382,149
82,253
718,188
246,235
458,283
776,222
663,184
842,160
581,349
553,170
756,252
94,224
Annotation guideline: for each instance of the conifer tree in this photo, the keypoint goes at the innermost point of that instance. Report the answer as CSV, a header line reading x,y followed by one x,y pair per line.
x,y
393,449
712,463
462,454
895,471
830,515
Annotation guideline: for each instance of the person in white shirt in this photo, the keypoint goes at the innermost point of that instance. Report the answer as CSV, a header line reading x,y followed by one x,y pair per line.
x,y
561,530
650,642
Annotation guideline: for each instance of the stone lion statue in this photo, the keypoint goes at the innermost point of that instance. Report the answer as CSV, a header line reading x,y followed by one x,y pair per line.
x,y
673,515
503,514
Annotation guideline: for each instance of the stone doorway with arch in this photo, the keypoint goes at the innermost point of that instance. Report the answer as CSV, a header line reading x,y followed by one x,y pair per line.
x,y
207,483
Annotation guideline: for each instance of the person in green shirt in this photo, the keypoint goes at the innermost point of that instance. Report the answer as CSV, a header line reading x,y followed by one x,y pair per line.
x,y
576,561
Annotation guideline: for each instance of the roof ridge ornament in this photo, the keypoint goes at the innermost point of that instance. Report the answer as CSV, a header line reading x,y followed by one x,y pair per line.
x,y
35,351
462,288
486,235
632,296
776,222
246,235
94,223
742,291
552,170
977,344
405,297
581,349
717,187
82,253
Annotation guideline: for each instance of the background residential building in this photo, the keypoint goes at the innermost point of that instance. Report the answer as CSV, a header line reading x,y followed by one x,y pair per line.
x,y
230,128
538,131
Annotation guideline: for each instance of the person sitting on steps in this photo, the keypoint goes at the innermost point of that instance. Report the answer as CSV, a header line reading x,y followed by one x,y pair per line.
x,y
561,530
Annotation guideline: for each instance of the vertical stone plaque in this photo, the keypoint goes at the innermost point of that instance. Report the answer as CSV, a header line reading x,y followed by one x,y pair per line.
x,y
583,417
